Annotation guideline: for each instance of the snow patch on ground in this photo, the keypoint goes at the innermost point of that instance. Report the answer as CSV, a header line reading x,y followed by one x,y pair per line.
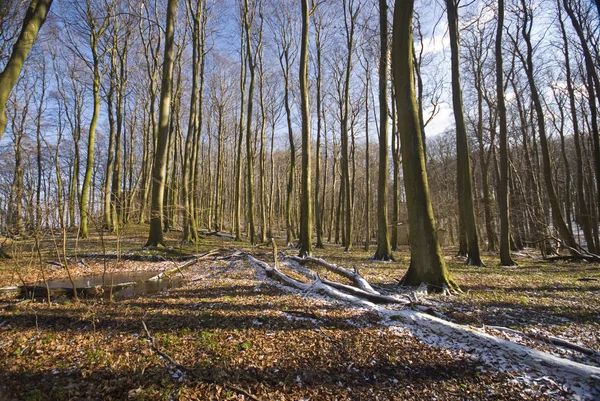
x,y
496,354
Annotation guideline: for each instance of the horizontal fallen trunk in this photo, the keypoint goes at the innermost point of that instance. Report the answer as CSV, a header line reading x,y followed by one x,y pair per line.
x,y
375,298
176,269
492,350
355,276
40,291
551,340
217,234
565,370
317,286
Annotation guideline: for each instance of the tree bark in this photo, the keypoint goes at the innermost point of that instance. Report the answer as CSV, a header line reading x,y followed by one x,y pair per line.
x,y
155,235
465,191
32,22
557,216
305,199
384,251
427,263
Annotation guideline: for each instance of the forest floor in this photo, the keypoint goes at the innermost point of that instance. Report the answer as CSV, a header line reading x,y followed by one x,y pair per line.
x,y
231,333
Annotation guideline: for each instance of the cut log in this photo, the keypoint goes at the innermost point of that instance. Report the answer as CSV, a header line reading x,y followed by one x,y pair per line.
x,y
355,276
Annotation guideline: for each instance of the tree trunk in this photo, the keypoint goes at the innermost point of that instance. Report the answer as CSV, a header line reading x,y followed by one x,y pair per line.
x,y
32,22
465,191
305,199
503,203
155,235
557,217
384,251
427,263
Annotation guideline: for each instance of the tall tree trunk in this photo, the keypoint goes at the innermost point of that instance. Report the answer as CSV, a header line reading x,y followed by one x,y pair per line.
x,y
350,16
367,163
427,263
557,218
503,203
87,178
396,175
38,135
464,183
305,199
190,232
319,205
155,235
249,154
240,139
384,251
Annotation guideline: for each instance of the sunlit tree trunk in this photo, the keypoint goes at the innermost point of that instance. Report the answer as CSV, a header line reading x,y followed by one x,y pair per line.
x,y
35,17
384,251
251,57
427,263
503,203
190,231
95,35
155,235
464,181
305,198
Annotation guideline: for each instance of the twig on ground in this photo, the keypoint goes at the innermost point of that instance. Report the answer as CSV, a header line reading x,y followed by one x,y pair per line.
x,y
186,369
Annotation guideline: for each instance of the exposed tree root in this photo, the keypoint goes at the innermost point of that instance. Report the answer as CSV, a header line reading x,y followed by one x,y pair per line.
x,y
185,369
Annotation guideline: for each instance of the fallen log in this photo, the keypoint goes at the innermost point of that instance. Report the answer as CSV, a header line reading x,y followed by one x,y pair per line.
x,y
355,276
217,234
502,354
375,298
40,291
550,340
316,286
192,262
498,350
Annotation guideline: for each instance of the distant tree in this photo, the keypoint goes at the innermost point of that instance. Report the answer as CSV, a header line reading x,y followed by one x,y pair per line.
x,y
527,61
